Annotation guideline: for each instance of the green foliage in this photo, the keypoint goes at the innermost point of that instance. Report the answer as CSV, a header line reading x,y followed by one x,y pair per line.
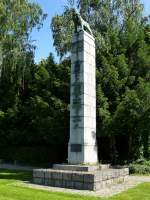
x,y
62,29
34,99
139,169
123,68
39,116
17,20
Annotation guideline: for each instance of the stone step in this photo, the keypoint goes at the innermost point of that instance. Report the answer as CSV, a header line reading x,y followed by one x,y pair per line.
x,y
93,180
81,168
104,166
86,168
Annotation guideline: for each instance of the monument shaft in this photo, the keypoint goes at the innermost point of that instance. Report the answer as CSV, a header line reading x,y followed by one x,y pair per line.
x,y
82,148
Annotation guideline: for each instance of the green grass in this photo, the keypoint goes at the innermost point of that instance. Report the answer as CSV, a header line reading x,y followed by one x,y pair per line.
x,y
11,190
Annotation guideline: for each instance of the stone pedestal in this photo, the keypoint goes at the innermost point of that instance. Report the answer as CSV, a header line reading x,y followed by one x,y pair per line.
x,y
82,180
82,146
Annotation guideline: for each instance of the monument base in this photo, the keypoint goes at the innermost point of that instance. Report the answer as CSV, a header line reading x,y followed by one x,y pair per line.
x,y
80,177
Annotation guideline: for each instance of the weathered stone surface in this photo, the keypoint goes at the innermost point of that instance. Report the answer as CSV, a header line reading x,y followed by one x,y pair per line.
x,y
89,178
78,185
47,181
84,180
104,166
88,186
38,173
67,175
39,181
87,168
78,177
48,174
58,183
69,184
57,175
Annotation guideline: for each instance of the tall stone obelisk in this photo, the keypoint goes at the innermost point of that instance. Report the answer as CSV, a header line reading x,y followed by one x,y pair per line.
x,y
82,148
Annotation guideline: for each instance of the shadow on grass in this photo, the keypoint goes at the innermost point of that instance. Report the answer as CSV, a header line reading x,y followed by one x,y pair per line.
x,y
15,175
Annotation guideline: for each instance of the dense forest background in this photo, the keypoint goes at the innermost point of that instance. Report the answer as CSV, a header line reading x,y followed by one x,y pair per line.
x,y
34,98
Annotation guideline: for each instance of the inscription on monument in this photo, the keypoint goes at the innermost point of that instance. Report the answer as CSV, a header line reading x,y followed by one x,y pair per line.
x,y
76,120
76,148
77,91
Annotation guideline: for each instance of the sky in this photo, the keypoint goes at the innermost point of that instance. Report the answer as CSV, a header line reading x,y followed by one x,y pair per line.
x,y
43,38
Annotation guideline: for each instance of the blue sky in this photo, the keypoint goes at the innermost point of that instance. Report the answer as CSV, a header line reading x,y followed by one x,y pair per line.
x,y
43,38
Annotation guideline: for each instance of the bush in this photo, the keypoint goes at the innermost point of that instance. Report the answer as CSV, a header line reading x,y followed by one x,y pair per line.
x,y
140,167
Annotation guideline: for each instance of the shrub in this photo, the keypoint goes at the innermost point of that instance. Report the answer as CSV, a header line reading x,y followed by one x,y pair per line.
x,y
140,167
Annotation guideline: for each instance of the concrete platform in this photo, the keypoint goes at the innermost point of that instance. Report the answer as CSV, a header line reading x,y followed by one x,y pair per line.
x,y
82,180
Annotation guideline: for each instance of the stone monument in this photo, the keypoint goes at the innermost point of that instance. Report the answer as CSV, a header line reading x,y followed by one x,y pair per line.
x,y
82,170
82,148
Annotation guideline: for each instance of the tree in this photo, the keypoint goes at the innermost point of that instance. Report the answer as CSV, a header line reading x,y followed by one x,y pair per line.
x,y
17,19
45,109
123,66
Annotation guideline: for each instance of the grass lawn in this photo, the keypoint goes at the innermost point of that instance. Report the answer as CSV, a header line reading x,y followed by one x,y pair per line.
x,y
11,190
